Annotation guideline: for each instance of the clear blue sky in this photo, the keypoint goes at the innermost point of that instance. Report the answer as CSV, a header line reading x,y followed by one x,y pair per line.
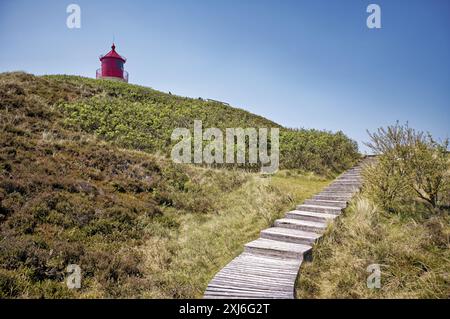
x,y
310,64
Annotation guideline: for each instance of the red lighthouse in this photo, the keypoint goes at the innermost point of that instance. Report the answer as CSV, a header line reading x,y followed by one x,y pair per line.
x,y
112,66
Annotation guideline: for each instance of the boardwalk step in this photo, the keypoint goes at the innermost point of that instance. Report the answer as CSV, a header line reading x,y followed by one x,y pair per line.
x,y
310,216
234,295
342,186
250,276
345,184
250,285
269,247
350,175
332,197
345,189
256,293
301,225
215,286
346,194
320,209
321,202
290,235
348,179
254,278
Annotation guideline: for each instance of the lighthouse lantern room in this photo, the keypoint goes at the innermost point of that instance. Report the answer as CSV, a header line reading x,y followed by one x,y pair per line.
x,y
112,66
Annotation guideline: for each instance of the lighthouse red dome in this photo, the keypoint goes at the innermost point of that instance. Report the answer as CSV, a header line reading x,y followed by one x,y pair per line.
x,y
112,66
113,54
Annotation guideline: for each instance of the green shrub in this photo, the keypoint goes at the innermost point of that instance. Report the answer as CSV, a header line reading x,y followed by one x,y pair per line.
x,y
318,151
411,166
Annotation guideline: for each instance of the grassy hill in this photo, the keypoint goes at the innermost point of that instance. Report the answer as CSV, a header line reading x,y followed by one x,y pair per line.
x,y
84,179
141,118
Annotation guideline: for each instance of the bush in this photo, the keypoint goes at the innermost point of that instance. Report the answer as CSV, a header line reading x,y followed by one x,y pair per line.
x,y
318,151
411,166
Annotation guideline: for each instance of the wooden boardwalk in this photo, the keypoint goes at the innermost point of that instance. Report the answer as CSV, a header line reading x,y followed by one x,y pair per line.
x,y
269,265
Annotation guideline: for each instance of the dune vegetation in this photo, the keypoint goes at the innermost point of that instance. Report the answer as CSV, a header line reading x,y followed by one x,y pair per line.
x,y
85,179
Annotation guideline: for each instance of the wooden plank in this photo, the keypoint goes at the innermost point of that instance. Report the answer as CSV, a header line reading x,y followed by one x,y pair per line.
x,y
311,216
253,278
251,285
268,286
217,295
266,259
267,273
331,197
274,251
322,202
320,209
257,263
246,289
249,293
280,270
254,272
300,225
290,235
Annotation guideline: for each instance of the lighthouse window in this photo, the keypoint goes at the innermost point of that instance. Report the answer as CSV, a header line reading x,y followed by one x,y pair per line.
x,y
120,65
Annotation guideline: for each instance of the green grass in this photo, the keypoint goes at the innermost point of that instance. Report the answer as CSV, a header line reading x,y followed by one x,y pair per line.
x,y
298,185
